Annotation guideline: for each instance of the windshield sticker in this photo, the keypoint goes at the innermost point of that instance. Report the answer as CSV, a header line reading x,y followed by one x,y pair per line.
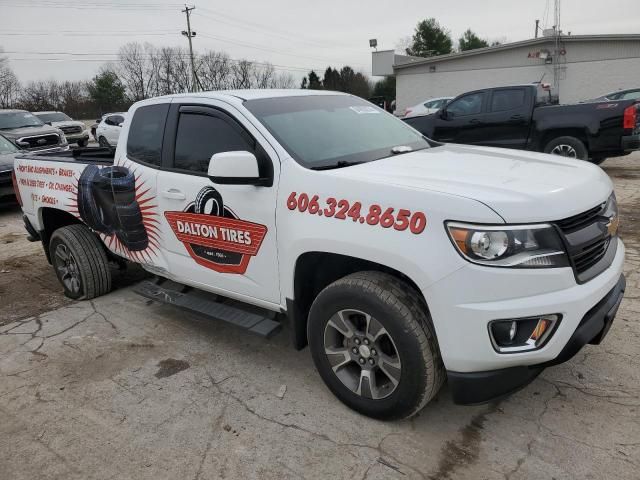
x,y
214,236
342,209
361,110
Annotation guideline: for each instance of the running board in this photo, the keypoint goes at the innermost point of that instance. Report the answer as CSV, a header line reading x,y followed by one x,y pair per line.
x,y
209,305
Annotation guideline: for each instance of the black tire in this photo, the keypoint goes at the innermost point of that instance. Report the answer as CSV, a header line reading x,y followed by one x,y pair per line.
x,y
103,142
571,146
132,232
82,143
206,195
398,308
88,253
121,183
90,211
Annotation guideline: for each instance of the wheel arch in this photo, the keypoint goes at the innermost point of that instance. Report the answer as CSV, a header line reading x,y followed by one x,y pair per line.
x,y
322,269
549,135
50,220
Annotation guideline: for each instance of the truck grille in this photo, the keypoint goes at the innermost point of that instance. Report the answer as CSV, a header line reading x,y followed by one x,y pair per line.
x,y
590,246
39,141
581,220
590,255
71,130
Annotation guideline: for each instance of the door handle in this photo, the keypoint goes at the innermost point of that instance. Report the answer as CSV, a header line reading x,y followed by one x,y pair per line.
x,y
516,118
474,121
174,194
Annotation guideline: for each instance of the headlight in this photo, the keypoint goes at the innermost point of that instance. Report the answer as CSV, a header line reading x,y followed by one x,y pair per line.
x,y
516,246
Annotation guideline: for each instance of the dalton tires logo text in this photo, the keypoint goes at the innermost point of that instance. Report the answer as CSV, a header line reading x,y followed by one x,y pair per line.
x,y
213,235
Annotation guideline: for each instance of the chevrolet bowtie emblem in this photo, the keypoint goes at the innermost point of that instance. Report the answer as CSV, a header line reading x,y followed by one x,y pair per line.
x,y
612,226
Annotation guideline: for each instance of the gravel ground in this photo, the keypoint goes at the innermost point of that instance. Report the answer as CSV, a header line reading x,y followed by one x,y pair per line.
x,y
125,388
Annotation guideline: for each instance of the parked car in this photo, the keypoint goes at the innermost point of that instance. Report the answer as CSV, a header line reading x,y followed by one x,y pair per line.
x,y
481,265
94,127
630,94
7,155
518,117
73,130
28,132
109,129
426,108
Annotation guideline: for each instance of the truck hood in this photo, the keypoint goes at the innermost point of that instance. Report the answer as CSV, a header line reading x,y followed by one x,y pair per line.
x,y
519,186
6,161
15,133
68,123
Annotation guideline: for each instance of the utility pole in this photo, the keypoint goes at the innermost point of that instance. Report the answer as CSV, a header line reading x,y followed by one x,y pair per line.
x,y
537,27
189,34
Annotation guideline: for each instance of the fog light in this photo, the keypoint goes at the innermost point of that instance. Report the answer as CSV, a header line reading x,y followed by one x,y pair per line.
x,y
522,334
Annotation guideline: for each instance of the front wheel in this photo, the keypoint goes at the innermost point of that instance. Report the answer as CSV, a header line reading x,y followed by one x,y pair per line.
x,y
374,345
103,142
82,143
80,262
570,147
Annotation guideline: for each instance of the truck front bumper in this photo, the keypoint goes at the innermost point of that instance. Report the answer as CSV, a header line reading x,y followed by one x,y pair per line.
x,y
480,387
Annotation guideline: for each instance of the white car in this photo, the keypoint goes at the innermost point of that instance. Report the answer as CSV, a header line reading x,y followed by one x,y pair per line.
x,y
109,129
427,108
400,262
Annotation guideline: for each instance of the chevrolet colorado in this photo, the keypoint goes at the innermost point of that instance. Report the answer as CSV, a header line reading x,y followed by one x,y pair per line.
x,y
400,261
518,117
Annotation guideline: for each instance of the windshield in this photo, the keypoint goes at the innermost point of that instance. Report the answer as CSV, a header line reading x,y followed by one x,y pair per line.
x,y
326,131
53,117
6,146
18,119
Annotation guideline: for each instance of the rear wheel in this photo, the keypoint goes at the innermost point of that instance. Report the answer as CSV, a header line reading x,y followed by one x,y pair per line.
x,y
103,142
80,262
570,147
82,143
374,345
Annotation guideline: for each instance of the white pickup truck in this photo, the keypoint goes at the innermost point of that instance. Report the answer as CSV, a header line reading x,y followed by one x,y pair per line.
x,y
400,261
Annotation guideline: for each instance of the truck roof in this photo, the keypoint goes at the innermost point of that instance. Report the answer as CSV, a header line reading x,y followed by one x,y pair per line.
x,y
252,94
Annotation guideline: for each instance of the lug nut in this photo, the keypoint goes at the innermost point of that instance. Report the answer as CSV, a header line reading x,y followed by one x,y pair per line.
x,y
362,360
366,341
354,350
371,361
373,351
357,341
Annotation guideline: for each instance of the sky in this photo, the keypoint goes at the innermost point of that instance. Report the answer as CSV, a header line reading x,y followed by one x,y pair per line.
x,y
71,39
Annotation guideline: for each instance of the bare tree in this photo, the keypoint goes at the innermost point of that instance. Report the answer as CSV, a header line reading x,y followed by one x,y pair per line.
x,y
133,70
9,84
241,73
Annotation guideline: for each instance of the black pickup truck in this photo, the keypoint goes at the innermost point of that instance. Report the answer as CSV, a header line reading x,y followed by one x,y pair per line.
x,y
520,117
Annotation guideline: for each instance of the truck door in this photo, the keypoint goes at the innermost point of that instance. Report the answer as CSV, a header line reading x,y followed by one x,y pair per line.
x,y
461,122
216,237
508,118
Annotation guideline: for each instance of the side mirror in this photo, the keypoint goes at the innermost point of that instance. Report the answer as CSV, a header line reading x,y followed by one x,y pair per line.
x,y
120,124
48,123
236,168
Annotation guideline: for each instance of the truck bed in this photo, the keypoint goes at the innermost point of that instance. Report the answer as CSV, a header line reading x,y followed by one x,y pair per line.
x,y
90,155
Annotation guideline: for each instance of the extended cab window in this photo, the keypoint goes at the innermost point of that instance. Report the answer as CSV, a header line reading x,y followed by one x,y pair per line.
x,y
144,142
200,136
470,104
507,99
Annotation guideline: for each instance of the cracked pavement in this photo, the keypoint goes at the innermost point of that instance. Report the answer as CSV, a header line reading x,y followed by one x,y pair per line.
x,y
122,387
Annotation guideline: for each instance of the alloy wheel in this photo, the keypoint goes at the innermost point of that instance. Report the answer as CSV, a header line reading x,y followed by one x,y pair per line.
x,y
67,268
362,354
